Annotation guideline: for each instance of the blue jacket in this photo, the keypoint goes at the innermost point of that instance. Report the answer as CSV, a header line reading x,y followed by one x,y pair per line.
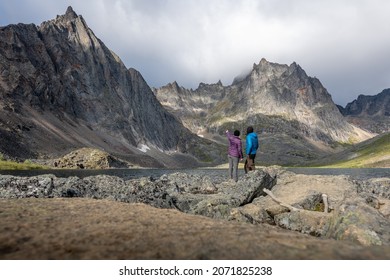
x,y
252,143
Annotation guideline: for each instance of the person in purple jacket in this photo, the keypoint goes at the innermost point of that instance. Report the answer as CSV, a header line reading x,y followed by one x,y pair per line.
x,y
234,153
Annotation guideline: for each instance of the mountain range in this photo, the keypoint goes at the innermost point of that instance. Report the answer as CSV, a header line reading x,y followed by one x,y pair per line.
x,y
370,112
294,114
62,89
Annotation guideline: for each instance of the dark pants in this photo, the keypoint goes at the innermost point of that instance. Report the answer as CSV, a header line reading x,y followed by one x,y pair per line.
x,y
249,163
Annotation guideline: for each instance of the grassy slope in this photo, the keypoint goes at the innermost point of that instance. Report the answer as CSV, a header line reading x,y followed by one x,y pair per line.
x,y
11,165
371,153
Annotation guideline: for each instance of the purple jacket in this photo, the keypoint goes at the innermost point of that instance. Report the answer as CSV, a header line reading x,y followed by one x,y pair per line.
x,y
235,146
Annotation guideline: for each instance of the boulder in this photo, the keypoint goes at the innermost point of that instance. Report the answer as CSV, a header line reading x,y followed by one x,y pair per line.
x,y
88,158
218,200
358,210
357,221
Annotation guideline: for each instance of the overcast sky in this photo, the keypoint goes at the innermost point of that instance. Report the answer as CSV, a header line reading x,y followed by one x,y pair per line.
x,y
344,43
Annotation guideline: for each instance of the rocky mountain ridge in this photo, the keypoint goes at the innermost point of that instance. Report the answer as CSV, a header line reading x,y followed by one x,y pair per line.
x,y
294,112
62,89
370,112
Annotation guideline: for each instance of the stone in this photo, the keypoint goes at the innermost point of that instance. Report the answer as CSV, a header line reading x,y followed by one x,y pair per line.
x,y
358,212
89,158
217,204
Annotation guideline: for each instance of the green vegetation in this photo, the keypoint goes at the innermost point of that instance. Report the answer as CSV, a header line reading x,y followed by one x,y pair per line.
x,y
12,165
319,207
373,153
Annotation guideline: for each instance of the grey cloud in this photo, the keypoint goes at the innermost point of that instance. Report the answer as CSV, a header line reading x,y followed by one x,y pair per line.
x,y
344,43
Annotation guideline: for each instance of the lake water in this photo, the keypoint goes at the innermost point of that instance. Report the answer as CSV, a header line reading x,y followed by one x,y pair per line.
x,y
356,173
216,175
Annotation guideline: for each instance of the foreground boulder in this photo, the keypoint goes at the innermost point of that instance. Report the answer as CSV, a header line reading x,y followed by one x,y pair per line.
x,y
188,193
358,210
197,195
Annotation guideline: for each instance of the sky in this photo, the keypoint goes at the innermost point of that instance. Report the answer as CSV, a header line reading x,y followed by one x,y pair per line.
x,y
343,43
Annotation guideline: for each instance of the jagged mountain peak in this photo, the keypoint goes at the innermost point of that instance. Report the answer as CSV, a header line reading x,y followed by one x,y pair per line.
x,y
263,66
70,13
72,24
266,70
276,70
215,85
69,16
370,105
370,112
295,67
174,87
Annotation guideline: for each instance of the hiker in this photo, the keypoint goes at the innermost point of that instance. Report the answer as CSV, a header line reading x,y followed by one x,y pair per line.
x,y
234,153
252,144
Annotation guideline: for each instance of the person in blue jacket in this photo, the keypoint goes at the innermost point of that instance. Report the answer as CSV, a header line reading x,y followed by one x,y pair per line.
x,y
252,144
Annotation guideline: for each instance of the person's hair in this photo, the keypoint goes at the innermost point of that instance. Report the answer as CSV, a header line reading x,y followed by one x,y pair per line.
x,y
236,133
249,130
